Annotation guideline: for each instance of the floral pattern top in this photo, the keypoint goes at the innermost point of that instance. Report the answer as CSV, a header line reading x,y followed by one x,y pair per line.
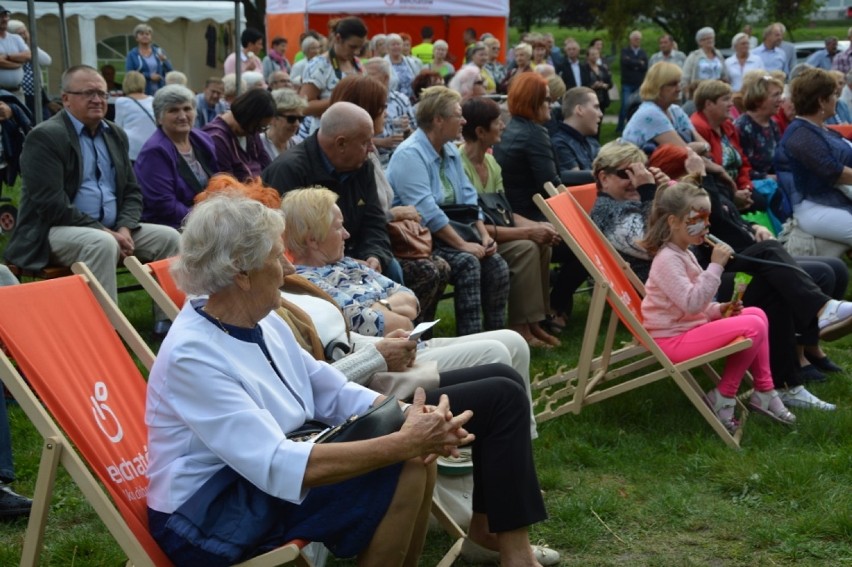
x,y
758,144
650,121
355,288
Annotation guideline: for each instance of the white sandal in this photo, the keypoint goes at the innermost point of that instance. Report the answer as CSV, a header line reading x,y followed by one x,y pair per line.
x,y
770,404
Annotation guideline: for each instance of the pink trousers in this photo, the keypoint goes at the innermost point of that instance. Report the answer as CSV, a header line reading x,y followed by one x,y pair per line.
x,y
752,324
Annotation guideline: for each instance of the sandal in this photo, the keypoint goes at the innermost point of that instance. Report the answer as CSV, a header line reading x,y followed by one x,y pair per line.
x,y
723,408
544,336
535,342
553,325
770,404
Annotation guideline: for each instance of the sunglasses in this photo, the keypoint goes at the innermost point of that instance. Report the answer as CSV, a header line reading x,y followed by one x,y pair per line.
x,y
291,118
622,173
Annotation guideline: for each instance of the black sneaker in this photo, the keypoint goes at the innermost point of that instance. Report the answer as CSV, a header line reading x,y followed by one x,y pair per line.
x,y
13,505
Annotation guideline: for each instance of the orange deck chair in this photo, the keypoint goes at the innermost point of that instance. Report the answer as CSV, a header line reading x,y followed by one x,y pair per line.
x,y
86,397
605,372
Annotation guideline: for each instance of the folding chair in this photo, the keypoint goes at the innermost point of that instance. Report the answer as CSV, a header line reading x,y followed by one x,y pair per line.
x,y
617,291
165,293
154,277
86,397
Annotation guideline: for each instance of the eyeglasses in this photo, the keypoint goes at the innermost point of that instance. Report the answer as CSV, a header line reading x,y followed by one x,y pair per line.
x,y
672,84
291,118
90,94
480,82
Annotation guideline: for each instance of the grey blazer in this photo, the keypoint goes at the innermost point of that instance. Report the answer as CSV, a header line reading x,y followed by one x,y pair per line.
x,y
51,176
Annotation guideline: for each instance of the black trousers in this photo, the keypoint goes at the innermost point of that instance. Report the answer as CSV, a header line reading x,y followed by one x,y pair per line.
x,y
505,485
570,276
789,297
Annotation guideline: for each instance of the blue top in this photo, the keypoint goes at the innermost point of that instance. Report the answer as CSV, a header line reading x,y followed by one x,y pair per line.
x,y
135,62
815,157
96,196
414,172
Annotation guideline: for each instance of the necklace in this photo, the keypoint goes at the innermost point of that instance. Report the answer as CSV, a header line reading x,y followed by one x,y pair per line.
x,y
218,322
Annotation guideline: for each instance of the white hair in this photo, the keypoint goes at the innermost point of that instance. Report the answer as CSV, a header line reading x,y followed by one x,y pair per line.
x,y
341,119
223,236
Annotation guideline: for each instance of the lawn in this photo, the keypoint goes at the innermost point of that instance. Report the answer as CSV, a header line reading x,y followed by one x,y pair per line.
x,y
636,480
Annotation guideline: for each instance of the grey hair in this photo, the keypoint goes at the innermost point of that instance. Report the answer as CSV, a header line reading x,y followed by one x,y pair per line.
x,y
229,83
463,81
394,37
176,78
253,78
737,38
308,42
15,26
223,236
169,96
288,99
442,43
379,62
142,28
374,41
704,32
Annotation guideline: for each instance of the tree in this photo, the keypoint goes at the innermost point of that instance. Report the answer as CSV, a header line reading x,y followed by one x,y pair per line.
x,y
792,13
683,19
525,13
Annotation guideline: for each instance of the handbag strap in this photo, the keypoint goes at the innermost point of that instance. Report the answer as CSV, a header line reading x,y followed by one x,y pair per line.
x,y
145,110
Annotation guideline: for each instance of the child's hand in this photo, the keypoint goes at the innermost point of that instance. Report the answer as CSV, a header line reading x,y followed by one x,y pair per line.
x,y
721,254
731,308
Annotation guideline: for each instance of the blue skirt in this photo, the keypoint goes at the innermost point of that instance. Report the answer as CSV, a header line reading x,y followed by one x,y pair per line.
x,y
230,520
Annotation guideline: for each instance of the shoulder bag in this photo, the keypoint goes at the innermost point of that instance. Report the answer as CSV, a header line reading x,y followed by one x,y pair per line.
x,y
463,219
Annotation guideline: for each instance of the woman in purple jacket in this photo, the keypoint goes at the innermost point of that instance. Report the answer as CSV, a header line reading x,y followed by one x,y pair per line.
x,y
176,161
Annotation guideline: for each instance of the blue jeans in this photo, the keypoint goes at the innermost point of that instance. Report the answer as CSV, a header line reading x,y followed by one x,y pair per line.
x,y
626,92
7,473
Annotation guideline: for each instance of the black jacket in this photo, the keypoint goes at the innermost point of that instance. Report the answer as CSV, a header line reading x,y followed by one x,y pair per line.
x,y
363,216
568,75
633,66
526,156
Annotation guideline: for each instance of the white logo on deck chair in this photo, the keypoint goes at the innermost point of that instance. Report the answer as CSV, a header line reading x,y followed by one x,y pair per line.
x,y
99,408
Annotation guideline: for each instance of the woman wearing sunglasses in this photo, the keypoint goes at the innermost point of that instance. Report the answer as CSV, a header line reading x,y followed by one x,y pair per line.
x,y
175,163
281,135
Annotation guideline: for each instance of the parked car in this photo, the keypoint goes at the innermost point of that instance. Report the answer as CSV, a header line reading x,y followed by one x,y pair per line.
x,y
805,49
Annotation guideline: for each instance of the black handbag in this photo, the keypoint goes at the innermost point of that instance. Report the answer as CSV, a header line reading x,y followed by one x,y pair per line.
x,y
496,208
378,421
463,219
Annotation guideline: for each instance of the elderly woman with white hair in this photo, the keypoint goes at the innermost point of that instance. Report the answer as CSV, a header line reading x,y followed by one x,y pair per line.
x,y
368,498
176,161
741,62
378,45
706,62
289,113
468,82
403,67
439,62
521,64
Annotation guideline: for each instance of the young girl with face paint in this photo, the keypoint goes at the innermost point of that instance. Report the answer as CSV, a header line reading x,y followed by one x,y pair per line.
x,y
681,315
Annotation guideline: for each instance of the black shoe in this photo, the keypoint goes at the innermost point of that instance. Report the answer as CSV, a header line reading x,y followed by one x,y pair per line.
x,y
13,505
161,329
809,373
824,364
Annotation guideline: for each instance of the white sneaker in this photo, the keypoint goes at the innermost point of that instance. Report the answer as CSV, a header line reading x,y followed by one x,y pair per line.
x,y
835,320
799,397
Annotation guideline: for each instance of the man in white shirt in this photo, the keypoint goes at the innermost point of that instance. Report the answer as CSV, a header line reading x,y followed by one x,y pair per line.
x,y
13,54
668,52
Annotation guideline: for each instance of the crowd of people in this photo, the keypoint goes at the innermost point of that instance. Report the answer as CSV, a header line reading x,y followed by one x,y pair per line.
x,y
313,161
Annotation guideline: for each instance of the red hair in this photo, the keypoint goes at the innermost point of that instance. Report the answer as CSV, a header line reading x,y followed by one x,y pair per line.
x,y
527,92
253,189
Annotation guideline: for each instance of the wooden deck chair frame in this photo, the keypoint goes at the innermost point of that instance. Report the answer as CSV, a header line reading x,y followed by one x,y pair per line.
x,y
605,372
152,285
58,450
145,276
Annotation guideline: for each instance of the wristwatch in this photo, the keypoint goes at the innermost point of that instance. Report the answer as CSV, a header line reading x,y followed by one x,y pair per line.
x,y
386,303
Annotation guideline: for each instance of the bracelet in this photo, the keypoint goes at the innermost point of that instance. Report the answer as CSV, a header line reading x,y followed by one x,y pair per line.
x,y
387,304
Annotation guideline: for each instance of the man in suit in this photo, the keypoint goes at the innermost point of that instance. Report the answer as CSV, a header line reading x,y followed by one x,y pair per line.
x,y
634,65
574,73
79,196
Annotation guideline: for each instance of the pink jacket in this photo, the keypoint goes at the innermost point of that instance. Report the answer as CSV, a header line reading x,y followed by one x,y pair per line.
x,y
679,294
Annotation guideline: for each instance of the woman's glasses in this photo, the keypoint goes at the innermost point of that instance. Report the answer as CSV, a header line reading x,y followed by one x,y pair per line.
x,y
291,118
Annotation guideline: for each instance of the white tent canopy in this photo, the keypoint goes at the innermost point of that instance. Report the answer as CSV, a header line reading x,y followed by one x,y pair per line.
x,y
402,7
220,12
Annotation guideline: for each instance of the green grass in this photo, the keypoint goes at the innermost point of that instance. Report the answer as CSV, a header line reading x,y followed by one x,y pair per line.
x,y
636,480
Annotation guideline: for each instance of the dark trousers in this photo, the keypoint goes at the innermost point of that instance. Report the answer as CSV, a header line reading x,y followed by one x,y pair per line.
x,y
481,289
505,485
569,276
788,296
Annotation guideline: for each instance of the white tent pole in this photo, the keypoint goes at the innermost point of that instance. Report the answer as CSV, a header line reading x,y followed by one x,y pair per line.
x,y
238,60
88,42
